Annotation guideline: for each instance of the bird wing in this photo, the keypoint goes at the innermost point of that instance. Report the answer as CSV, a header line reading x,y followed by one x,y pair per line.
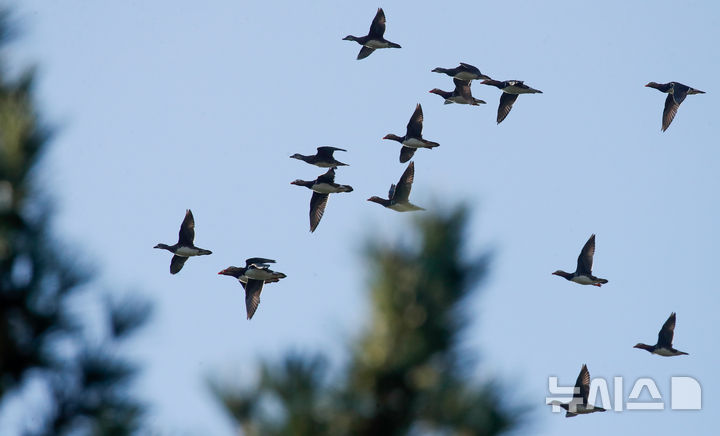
x,y
327,151
585,259
257,261
186,236
671,108
506,103
317,209
177,263
470,68
680,91
404,185
414,126
328,177
406,153
462,87
365,52
252,296
665,336
391,192
377,28
583,385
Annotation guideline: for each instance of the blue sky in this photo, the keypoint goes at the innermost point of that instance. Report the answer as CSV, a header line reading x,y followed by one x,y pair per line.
x,y
162,106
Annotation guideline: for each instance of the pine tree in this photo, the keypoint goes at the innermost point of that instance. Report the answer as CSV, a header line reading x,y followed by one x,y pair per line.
x,y
41,338
408,373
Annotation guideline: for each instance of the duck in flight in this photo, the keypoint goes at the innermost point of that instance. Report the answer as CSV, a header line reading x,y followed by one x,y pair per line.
x,y
322,187
461,94
463,72
583,271
375,37
184,247
413,136
399,195
664,343
676,94
579,403
252,277
323,158
511,89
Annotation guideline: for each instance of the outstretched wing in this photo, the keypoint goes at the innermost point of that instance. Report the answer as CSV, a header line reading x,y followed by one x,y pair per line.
x,y
327,152
258,261
582,385
177,263
328,177
671,108
665,337
414,126
377,28
406,153
506,103
317,209
402,191
462,87
252,296
470,68
365,52
391,192
585,259
186,236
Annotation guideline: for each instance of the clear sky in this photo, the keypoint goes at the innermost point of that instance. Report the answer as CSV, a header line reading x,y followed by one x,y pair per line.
x,y
162,106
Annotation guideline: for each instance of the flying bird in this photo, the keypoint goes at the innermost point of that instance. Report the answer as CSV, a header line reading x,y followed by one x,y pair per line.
x,y
463,72
676,94
579,403
583,271
461,94
664,343
398,197
184,247
374,39
252,277
413,136
323,158
511,89
322,187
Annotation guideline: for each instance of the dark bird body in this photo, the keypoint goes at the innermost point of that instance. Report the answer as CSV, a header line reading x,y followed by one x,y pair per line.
x,y
664,343
322,187
399,195
184,247
323,158
413,136
583,271
511,89
252,277
375,38
461,94
676,94
463,72
579,403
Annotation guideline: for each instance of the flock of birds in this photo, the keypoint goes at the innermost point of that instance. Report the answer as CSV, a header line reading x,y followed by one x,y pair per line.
x,y
256,272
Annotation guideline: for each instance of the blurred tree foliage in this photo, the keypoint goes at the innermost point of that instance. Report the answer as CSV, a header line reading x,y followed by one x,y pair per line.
x,y
407,372
73,354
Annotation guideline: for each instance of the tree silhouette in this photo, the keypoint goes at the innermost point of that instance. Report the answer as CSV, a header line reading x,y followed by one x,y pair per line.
x,y
41,337
407,373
